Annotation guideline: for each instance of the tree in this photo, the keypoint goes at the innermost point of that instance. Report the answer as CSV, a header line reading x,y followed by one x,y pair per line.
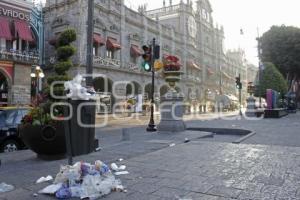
x,y
271,79
64,52
281,46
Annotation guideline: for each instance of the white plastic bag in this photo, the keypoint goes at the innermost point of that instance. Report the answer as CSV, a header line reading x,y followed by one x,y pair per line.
x,y
6,188
51,189
44,179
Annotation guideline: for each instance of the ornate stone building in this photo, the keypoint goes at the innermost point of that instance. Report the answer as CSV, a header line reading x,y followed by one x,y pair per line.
x,y
186,30
20,44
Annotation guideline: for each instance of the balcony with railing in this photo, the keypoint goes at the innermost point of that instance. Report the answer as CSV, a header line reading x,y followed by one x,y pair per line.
x,y
116,64
27,57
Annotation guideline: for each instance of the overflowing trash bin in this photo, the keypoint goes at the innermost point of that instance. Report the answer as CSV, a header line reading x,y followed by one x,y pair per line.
x,y
80,128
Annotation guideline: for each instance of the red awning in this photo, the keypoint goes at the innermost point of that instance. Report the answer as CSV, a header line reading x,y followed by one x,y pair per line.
x,y
23,30
135,51
98,39
193,64
4,29
112,44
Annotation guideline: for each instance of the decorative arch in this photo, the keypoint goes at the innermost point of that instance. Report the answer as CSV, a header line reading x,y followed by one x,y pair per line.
x,y
102,85
5,86
134,88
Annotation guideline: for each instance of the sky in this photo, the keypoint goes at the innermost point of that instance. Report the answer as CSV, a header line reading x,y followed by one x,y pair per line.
x,y
253,16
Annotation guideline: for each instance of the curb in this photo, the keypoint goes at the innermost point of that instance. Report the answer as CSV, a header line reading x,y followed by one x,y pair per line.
x,y
244,138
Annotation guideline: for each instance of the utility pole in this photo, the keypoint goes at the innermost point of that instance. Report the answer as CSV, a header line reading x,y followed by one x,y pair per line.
x,y
240,95
89,52
151,126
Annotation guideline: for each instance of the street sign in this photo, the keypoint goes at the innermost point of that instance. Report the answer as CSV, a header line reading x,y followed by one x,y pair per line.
x,y
158,65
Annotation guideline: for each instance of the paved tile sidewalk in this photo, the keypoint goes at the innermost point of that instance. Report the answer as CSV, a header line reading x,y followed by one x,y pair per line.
x,y
200,170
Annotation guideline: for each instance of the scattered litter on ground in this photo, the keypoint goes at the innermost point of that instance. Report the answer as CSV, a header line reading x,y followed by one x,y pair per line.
x,y
6,188
98,149
172,145
122,167
186,140
121,173
85,180
35,195
44,179
115,167
51,189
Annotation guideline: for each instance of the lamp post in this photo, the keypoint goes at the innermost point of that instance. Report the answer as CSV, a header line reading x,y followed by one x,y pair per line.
x,y
37,73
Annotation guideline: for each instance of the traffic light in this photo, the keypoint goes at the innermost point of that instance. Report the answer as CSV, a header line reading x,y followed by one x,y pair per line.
x,y
238,83
147,57
156,52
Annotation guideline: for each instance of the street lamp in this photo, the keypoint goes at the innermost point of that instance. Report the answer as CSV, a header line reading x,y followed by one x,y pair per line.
x,y
37,73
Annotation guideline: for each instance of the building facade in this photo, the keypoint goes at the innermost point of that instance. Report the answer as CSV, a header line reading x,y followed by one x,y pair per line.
x,y
185,30
20,44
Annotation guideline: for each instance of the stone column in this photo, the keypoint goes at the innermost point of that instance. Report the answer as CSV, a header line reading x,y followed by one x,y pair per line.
x,y
172,110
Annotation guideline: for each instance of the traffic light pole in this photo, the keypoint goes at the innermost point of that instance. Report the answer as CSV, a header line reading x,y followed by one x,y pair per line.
x,y
151,126
240,95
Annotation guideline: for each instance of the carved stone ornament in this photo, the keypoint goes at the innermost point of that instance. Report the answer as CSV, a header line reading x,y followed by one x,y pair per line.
x,y
60,21
134,36
99,23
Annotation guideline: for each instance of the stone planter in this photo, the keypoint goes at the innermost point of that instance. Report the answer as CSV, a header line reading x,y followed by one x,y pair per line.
x,y
171,77
48,142
172,107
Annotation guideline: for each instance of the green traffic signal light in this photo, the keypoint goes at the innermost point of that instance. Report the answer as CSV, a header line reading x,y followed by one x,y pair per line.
x,y
147,57
239,86
146,66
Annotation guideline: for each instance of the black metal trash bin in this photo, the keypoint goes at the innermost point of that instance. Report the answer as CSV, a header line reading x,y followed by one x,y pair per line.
x,y
82,139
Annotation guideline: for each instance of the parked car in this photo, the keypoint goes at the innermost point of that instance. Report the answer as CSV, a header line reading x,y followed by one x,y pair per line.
x,y
10,118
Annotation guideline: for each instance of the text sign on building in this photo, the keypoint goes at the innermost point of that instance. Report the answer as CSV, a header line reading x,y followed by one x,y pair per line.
x,y
14,13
